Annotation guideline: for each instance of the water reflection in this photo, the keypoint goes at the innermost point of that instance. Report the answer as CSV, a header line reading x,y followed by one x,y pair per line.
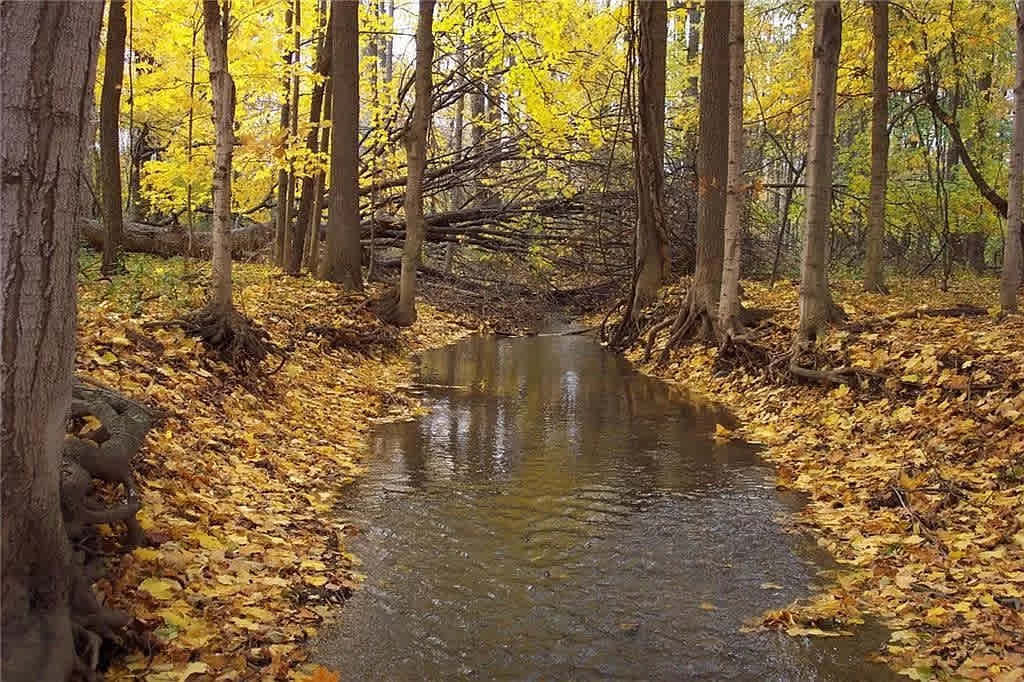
x,y
559,516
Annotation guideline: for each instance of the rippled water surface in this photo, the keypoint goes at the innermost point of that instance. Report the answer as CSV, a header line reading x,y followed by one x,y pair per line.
x,y
558,516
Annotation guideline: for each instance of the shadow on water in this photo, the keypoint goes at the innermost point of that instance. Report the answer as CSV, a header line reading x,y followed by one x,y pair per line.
x,y
558,515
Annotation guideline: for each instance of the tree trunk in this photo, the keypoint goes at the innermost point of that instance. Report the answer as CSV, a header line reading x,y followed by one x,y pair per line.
x,y
815,301
313,251
729,302
692,43
343,260
405,314
389,47
701,306
215,37
1011,277
291,222
48,72
110,143
296,246
282,211
652,255
457,191
874,277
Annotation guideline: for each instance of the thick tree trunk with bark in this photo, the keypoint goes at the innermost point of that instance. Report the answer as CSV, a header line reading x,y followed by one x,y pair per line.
x,y
874,278
343,260
1011,277
48,62
404,313
110,144
700,308
652,254
215,37
815,300
729,301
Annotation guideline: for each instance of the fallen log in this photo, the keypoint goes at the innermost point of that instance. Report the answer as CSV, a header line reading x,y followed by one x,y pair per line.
x,y
172,240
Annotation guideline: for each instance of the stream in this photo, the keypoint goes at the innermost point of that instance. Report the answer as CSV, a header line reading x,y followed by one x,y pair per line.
x,y
559,516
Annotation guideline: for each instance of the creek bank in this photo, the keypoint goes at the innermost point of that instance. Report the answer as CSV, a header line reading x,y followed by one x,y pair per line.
x,y
243,559
916,487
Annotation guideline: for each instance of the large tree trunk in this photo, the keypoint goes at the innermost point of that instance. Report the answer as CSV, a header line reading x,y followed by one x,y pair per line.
x,y
215,37
652,254
815,301
405,313
110,143
700,308
48,70
874,277
729,303
1010,281
297,243
343,260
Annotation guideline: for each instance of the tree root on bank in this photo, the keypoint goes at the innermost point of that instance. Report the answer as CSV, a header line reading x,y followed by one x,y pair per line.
x,y
961,310
105,452
387,309
764,348
231,335
358,339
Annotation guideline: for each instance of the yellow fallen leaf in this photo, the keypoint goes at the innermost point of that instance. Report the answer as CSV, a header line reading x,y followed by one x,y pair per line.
x,y
160,588
315,580
146,554
193,668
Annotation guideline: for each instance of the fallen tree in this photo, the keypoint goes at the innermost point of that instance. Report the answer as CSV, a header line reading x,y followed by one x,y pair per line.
x,y
173,240
492,228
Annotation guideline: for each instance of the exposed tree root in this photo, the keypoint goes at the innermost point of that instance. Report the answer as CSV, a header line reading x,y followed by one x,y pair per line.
x,y
105,453
389,312
358,339
229,334
962,310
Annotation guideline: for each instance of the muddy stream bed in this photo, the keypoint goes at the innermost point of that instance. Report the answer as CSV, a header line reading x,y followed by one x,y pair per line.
x,y
559,516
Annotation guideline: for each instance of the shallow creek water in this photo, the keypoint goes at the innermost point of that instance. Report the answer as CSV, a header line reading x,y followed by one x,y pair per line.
x,y
559,516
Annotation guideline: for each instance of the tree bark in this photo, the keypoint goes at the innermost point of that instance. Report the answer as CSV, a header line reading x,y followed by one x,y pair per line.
x,y
296,246
415,228
1011,277
692,43
652,255
729,301
291,222
215,37
815,301
712,164
283,177
874,277
457,191
48,67
110,144
343,260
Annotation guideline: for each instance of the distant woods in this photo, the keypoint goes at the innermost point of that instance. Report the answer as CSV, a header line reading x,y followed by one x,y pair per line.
x,y
598,143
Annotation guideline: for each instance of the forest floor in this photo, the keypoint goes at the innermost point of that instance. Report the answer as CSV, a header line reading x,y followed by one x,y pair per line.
x,y
245,559
915,482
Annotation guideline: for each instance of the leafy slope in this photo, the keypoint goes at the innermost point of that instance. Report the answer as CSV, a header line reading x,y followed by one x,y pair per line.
x,y
247,557
916,486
